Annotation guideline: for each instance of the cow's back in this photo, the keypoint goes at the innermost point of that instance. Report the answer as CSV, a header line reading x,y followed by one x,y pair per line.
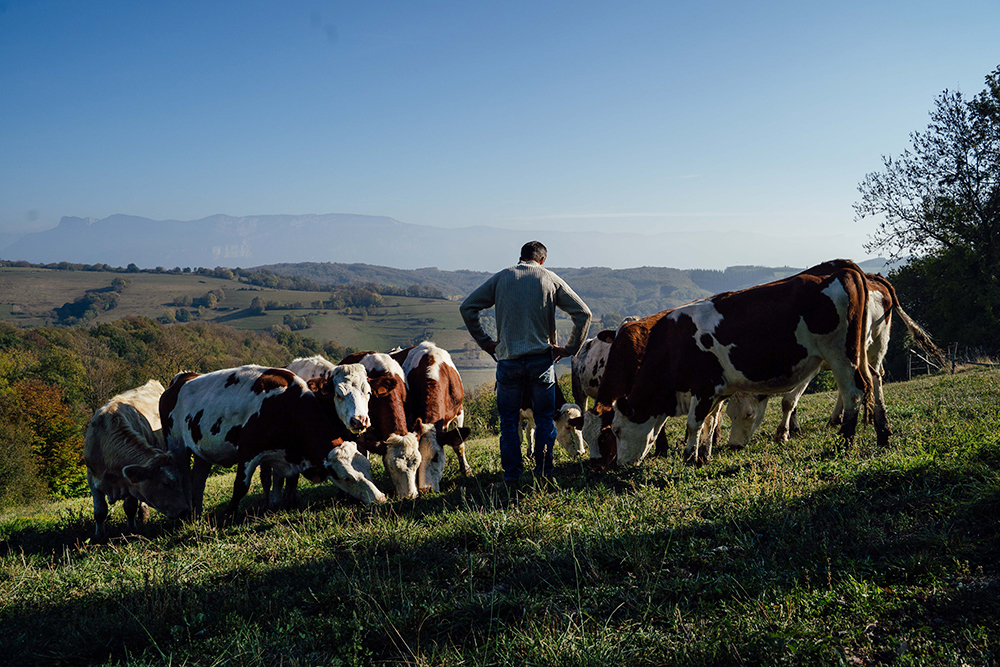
x,y
434,386
124,431
207,413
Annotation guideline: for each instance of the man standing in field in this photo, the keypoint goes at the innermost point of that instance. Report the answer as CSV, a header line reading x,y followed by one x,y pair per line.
x,y
526,297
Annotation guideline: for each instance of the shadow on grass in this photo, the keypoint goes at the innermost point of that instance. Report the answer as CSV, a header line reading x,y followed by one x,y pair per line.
x,y
923,543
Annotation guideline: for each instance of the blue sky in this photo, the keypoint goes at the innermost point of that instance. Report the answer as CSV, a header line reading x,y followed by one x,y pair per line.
x,y
644,117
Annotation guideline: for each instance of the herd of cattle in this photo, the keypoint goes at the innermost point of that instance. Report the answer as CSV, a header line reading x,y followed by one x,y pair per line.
x,y
322,420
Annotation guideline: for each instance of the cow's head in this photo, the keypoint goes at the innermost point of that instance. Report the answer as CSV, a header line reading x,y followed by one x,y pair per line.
x,y
402,462
433,439
569,421
352,472
745,411
159,484
634,431
591,430
348,389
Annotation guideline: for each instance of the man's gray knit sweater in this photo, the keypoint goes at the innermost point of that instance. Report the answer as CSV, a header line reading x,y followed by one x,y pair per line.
x,y
526,297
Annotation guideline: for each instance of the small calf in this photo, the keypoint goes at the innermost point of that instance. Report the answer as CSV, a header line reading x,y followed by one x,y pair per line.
x,y
127,460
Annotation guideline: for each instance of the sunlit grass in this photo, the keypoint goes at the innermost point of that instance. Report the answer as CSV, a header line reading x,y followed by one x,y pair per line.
x,y
807,553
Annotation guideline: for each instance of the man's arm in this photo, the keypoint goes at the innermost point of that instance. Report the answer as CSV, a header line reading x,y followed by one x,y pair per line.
x,y
568,301
480,299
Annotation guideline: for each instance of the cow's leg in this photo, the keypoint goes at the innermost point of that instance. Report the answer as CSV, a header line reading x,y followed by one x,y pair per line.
x,y
710,433
851,388
463,463
695,421
265,484
290,496
793,423
662,445
526,429
182,457
100,510
199,474
882,428
131,505
837,418
789,402
240,486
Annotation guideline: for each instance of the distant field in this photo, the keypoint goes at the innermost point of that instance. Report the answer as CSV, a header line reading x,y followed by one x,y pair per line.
x,y
29,295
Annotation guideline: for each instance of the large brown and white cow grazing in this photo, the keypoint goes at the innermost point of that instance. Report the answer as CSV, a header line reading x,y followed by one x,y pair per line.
x,y
626,350
250,415
347,390
766,339
127,460
747,415
388,434
568,420
434,409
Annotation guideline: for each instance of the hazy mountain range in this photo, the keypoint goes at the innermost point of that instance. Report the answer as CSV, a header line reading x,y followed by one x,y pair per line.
x,y
222,240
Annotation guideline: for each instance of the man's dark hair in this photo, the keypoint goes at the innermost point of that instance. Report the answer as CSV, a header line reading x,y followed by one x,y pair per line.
x,y
533,251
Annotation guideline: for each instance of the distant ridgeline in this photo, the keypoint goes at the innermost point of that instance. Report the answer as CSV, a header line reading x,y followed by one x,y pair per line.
x,y
618,292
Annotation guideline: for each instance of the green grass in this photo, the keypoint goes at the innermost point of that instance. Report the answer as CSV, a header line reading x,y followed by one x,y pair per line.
x,y
805,554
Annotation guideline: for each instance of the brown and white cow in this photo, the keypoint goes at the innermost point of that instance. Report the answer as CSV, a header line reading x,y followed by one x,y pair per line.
x,y
568,420
388,434
434,409
746,415
626,350
250,415
127,460
766,339
346,389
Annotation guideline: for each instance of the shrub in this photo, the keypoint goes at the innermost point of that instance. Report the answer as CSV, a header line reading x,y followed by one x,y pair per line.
x,y
481,411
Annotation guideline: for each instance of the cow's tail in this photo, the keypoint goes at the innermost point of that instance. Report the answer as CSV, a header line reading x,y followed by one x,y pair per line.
x,y
860,341
920,336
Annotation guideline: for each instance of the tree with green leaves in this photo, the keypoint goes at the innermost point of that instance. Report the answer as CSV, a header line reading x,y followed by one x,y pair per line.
x,y
940,204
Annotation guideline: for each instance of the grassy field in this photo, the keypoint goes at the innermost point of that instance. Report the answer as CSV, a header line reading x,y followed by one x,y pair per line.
x,y
28,296
798,555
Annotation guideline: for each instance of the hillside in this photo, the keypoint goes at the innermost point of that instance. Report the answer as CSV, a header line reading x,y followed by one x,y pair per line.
x,y
798,554
30,296
638,291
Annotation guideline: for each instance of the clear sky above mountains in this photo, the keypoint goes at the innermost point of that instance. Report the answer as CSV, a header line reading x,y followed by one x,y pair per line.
x,y
644,117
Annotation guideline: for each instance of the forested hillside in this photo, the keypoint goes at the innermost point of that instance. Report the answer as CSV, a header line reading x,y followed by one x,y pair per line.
x,y
52,379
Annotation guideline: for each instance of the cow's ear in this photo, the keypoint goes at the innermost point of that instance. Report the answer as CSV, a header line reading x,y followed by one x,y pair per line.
x,y
418,426
623,406
381,391
576,422
317,385
464,431
607,336
137,473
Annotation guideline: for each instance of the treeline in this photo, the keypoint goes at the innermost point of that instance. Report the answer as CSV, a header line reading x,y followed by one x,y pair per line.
x,y
256,277
53,378
91,304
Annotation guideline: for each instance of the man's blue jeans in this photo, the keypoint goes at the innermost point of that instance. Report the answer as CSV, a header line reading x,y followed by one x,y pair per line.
x,y
535,374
